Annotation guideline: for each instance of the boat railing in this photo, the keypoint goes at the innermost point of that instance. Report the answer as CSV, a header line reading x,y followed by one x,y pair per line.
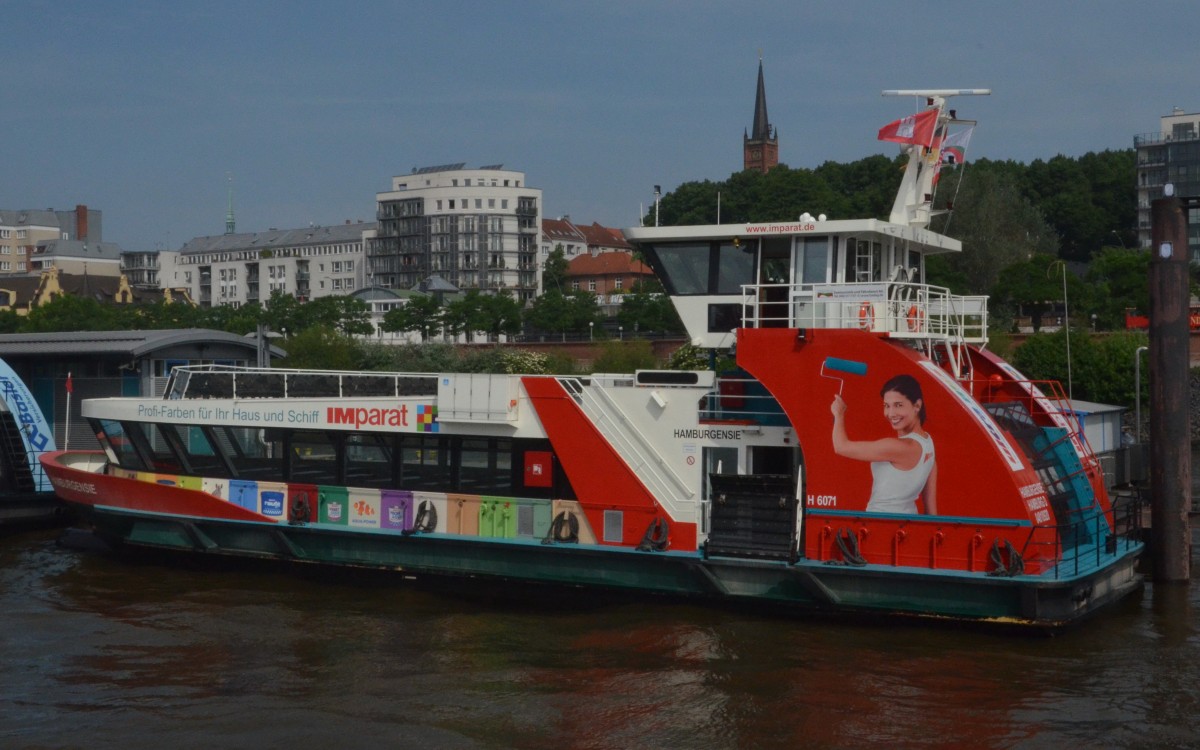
x,y
231,382
1085,543
739,398
900,309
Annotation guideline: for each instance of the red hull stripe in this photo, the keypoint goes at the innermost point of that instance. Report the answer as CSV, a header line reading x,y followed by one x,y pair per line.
x,y
88,488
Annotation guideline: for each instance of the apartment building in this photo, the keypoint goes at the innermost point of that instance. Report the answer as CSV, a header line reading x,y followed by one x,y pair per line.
x,y
475,228
235,269
1171,155
33,240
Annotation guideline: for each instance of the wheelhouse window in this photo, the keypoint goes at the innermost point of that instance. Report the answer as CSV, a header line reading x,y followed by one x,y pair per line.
x,y
814,257
703,267
683,268
735,267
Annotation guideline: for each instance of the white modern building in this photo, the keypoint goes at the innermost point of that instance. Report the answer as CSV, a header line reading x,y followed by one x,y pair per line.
x,y
1171,155
235,269
476,228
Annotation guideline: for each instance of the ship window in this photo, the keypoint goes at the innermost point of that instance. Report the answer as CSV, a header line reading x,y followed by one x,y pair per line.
x,y
161,452
485,466
815,258
117,445
254,453
683,268
198,451
425,463
369,461
314,458
735,266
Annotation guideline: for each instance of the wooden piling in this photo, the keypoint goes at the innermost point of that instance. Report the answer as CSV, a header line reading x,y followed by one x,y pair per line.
x,y
1170,427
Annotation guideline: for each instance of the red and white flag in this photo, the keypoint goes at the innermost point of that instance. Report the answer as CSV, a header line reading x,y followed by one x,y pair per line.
x,y
917,129
70,385
954,148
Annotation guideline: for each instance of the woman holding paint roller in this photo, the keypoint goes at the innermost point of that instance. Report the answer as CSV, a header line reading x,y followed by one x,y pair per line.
x,y
903,467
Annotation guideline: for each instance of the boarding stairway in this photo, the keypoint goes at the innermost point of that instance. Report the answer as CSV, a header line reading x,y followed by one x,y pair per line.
x,y
1084,531
593,396
17,460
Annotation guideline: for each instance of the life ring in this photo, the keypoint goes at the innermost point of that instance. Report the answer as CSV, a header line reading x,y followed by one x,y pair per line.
x,y
916,319
866,316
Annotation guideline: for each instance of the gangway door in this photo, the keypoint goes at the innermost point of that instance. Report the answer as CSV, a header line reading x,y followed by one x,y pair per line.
x,y
752,515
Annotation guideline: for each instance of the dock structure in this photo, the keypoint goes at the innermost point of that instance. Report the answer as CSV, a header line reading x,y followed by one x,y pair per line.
x,y
1170,423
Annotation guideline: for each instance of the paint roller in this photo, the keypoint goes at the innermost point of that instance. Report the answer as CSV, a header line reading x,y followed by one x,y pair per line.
x,y
847,366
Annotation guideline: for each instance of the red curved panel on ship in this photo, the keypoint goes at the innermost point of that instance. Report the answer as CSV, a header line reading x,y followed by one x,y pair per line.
x,y
980,472
602,480
89,488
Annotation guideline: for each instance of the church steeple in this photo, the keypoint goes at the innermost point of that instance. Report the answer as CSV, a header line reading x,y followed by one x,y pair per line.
x,y
760,149
230,224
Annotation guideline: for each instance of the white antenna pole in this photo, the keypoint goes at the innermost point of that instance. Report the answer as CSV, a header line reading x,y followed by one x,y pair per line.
x,y
718,206
657,198
67,427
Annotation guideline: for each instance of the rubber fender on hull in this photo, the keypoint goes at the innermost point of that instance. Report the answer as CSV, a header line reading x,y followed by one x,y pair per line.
x,y
299,510
657,537
564,528
426,518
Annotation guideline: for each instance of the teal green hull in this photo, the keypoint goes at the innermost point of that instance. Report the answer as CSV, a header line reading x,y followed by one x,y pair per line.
x,y
1038,601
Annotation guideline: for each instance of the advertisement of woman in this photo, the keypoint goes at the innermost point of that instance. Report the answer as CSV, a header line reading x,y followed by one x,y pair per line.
x,y
903,468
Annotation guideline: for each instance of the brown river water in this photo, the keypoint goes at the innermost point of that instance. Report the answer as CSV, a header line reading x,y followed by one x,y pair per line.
x,y
100,651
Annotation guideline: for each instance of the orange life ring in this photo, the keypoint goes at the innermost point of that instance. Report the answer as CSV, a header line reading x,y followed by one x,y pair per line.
x,y
866,316
916,319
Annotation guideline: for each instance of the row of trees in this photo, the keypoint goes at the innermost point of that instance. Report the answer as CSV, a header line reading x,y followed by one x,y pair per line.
x,y
1014,220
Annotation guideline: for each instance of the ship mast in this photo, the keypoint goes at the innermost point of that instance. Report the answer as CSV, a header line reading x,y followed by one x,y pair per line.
x,y
914,199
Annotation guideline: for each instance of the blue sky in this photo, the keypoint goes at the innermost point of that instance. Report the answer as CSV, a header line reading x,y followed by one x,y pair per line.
x,y
142,109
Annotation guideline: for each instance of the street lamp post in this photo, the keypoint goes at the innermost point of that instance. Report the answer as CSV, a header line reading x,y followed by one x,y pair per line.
x,y
621,332
1137,391
591,326
1066,321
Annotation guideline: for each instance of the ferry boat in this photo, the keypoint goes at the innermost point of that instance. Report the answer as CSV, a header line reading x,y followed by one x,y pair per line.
x,y
865,455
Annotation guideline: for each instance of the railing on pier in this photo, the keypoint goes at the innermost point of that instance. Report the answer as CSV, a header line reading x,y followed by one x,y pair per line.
x,y
902,309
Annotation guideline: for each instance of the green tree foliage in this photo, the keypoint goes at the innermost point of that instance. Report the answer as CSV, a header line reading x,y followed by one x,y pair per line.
x,y
490,313
321,348
240,320
554,271
625,356
419,314
1119,280
996,224
1085,199
564,313
1102,367
648,309
348,316
1035,286
863,188
71,313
